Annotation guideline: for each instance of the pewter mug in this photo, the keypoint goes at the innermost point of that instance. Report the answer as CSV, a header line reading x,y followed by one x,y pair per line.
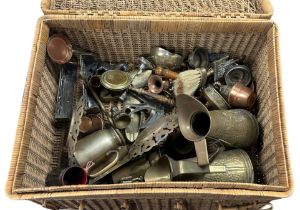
x,y
229,166
99,147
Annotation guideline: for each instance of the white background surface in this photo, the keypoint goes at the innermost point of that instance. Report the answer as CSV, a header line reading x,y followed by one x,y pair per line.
x,y
18,19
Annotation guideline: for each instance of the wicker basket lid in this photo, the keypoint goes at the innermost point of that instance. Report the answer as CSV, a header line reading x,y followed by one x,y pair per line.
x,y
256,9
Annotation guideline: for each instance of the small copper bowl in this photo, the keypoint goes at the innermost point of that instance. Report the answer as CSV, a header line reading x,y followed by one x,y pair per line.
x,y
241,96
59,49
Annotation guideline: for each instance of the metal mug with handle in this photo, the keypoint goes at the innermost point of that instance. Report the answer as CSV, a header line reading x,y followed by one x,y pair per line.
x,y
100,147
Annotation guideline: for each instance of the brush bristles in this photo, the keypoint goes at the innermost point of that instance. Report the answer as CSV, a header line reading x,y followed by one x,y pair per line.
x,y
187,82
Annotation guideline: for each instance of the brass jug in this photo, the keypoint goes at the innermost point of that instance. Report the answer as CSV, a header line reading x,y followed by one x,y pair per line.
x,y
236,128
229,166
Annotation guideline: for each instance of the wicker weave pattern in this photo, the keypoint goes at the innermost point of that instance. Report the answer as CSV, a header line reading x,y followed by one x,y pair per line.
x,y
117,44
264,116
127,45
149,204
125,39
44,139
199,6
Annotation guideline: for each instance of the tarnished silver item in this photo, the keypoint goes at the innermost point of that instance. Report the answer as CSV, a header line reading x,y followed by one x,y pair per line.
x,y
66,92
153,135
74,131
121,119
166,59
238,74
228,166
132,130
135,169
141,80
198,58
137,118
220,66
155,110
144,64
214,99
104,149
95,146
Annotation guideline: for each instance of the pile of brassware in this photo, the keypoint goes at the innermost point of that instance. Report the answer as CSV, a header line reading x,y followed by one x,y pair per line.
x,y
166,117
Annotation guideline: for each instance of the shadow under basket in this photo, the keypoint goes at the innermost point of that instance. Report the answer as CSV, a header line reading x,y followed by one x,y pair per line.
x,y
39,145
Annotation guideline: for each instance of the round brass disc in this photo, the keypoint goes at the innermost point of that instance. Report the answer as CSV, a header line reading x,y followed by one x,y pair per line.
x,y
115,80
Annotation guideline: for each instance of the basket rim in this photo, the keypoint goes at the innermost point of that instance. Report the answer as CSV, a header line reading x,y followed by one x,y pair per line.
x,y
266,5
286,191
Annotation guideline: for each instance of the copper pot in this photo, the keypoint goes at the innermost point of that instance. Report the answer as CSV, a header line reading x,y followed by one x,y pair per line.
x,y
239,95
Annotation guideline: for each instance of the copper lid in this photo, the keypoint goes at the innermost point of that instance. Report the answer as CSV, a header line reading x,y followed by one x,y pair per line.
x,y
59,49
115,80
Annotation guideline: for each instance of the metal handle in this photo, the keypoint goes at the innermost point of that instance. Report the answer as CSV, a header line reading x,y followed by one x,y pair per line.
x,y
109,166
201,151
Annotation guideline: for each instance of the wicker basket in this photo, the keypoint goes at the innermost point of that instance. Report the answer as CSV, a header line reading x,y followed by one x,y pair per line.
x,y
121,31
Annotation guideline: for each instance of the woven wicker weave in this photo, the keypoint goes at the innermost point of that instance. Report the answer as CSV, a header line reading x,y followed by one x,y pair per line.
x,y
38,147
192,8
